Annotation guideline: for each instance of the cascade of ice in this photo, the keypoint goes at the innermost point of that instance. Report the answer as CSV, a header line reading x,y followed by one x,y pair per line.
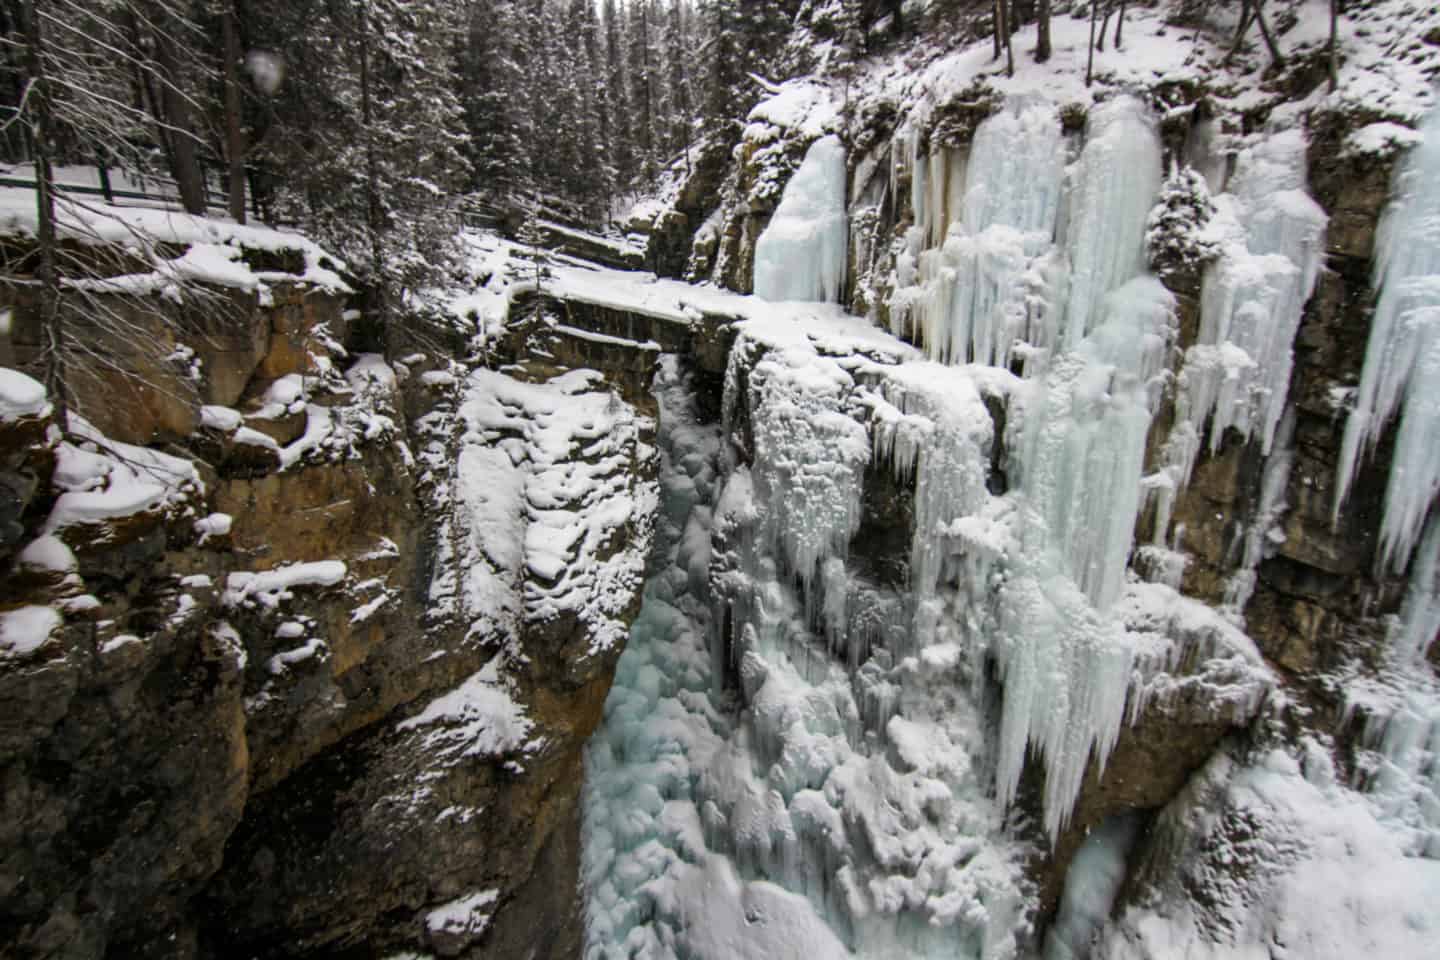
x,y
817,817
1237,373
801,253
1064,660
1402,358
1419,621
1083,444
1113,186
810,458
981,288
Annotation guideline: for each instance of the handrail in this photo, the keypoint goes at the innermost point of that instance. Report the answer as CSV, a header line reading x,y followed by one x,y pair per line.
x,y
26,184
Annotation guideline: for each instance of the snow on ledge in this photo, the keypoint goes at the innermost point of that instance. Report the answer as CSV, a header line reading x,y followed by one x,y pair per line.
x,y
21,396
479,718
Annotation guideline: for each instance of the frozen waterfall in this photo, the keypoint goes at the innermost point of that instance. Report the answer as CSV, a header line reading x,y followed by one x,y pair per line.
x,y
801,253
1402,358
1037,246
804,724
1271,235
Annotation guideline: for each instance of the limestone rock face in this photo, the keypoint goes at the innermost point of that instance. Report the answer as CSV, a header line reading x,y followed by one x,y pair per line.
x,y
271,716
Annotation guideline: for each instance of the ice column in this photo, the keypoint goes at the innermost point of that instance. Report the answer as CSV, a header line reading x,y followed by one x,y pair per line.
x,y
801,254
1083,445
1064,659
1402,359
977,289
1113,187
1253,295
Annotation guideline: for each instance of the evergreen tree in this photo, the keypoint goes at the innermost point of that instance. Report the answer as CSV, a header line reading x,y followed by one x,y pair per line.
x,y
642,78
678,114
492,92
589,183
617,89
380,163
725,79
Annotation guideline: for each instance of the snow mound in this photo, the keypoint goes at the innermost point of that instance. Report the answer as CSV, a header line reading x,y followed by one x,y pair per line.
x,y
20,396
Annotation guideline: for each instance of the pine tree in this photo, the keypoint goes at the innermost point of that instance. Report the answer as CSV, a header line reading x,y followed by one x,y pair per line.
x,y
617,88
725,76
642,79
589,184
678,115
376,171
491,88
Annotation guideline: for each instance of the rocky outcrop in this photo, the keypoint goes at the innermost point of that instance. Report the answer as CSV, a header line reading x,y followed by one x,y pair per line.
x,y
258,705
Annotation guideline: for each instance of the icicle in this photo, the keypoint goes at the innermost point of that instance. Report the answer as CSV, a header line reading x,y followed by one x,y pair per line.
x,y
1114,185
977,280
1083,445
1402,359
1237,373
1264,532
936,428
801,254
1420,615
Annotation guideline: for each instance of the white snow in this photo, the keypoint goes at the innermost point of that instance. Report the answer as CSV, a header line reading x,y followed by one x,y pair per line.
x,y
214,525
213,246
270,588
479,718
21,396
466,916
107,480
25,629
1289,864
224,419
48,553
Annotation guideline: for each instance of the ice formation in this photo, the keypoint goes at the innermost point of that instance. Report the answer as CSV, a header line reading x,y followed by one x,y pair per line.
x,y
1113,186
801,253
973,302
1402,358
791,716
1034,246
1237,374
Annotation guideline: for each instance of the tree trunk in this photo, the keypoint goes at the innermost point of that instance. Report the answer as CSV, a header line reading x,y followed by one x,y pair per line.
x,y
1246,14
105,189
1042,32
373,217
998,20
1334,53
51,321
234,133
184,150
1090,47
1009,48
1275,55
1119,24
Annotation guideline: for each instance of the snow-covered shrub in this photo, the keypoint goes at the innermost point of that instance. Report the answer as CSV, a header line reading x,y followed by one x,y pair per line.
x,y
1177,243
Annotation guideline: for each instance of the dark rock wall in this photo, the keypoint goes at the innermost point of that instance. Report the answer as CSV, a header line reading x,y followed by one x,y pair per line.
x,y
170,787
